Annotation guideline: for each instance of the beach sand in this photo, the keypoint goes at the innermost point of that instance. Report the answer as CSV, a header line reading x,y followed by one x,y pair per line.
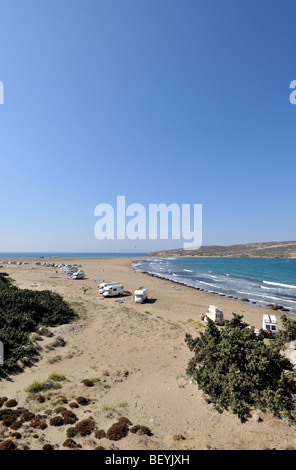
x,y
139,354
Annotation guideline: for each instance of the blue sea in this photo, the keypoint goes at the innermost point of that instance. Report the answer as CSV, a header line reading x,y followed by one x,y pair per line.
x,y
262,281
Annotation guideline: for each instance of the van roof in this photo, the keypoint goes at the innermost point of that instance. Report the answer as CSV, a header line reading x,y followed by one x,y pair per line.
x,y
270,318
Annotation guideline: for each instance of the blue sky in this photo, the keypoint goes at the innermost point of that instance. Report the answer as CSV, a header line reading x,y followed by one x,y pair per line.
x,y
162,101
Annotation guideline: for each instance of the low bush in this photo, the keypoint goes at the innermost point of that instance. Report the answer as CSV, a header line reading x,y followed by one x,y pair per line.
x,y
21,311
85,427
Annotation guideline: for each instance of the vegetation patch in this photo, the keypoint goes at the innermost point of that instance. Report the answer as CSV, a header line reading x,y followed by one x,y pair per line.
x,y
22,311
239,370
71,444
35,387
82,401
57,377
11,403
141,430
85,427
2,401
71,432
100,433
117,431
7,445
57,421
90,382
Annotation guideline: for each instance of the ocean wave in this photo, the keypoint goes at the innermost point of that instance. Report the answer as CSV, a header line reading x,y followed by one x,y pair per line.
x,y
279,284
188,270
279,299
208,284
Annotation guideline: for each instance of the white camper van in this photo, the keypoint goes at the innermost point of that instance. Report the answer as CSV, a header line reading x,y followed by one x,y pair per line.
x,y
105,284
269,324
140,295
78,274
215,314
71,270
112,291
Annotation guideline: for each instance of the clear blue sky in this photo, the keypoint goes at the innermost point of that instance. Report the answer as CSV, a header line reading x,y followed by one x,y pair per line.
x,y
163,101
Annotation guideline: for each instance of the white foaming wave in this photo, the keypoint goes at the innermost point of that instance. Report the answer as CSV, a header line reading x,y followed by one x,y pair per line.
x,y
188,270
207,284
279,284
279,299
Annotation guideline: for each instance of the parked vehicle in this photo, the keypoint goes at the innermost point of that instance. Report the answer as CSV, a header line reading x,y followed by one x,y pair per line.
x,y
269,324
112,291
78,274
140,295
215,314
71,270
105,284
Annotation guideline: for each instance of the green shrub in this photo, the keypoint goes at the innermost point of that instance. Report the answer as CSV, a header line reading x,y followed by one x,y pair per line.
x,y
35,387
21,311
57,377
237,370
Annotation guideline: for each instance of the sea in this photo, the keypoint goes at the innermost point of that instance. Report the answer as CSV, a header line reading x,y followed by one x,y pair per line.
x,y
262,281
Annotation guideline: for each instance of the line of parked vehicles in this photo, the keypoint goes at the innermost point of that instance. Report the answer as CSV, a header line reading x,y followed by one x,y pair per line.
x,y
70,270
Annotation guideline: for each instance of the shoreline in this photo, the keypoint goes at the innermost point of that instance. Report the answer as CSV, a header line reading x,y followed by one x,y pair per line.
x,y
272,306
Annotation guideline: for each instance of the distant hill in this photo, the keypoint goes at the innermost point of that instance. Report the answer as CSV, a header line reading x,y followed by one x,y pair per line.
x,y
249,250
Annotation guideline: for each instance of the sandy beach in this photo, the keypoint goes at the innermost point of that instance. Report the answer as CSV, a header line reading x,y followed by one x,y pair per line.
x,y
138,353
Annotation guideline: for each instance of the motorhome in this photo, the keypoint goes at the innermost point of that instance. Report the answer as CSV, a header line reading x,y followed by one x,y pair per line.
x,y
215,314
105,284
78,274
269,324
112,291
71,270
140,295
